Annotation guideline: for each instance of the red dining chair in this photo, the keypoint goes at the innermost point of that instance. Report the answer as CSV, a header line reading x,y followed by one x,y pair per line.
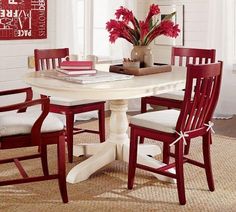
x,y
172,127
179,57
27,128
50,59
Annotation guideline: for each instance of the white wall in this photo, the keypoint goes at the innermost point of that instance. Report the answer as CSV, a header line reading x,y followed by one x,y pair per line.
x,y
195,27
142,8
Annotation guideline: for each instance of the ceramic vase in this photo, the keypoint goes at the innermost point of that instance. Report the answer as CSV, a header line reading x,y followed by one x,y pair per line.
x,y
142,54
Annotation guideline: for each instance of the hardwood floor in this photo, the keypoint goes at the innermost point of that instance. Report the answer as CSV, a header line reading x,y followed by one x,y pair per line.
x,y
226,127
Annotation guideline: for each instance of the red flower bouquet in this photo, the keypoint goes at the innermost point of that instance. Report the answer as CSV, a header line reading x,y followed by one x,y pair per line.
x,y
140,33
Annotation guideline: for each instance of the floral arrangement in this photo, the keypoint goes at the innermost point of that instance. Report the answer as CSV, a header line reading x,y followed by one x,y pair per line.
x,y
140,33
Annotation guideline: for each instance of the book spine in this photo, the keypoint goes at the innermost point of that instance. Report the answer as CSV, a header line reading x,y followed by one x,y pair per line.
x,y
76,67
78,72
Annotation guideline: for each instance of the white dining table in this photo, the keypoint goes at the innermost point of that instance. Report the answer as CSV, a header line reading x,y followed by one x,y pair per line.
x,y
116,147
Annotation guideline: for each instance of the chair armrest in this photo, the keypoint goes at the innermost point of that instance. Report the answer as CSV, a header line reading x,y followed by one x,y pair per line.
x,y
20,106
36,128
28,91
179,104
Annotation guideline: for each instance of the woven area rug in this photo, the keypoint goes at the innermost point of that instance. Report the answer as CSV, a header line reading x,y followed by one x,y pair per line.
x,y
106,190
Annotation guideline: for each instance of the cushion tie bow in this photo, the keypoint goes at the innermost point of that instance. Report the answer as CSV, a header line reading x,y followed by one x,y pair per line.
x,y
210,126
182,135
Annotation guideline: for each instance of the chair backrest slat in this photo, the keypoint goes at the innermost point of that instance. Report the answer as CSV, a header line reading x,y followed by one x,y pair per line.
x,y
205,102
201,96
54,63
48,63
187,60
201,105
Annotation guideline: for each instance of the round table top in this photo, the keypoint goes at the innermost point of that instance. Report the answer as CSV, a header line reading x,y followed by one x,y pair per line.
x,y
138,86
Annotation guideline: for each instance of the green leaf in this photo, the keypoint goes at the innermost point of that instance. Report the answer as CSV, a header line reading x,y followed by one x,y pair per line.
x,y
136,23
168,17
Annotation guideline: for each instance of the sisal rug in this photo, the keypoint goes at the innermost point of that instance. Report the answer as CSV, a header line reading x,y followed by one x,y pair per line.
x,y
106,190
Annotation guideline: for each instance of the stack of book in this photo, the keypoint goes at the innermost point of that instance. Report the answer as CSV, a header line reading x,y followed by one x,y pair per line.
x,y
77,68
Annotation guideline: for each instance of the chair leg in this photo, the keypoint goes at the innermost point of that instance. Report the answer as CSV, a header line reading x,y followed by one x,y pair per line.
x,y
143,105
44,159
166,153
143,110
210,139
101,122
132,158
207,160
187,147
62,169
69,135
180,172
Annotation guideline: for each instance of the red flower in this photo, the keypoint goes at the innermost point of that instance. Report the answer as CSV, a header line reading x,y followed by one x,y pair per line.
x,y
169,29
142,32
111,24
144,29
154,10
125,14
118,29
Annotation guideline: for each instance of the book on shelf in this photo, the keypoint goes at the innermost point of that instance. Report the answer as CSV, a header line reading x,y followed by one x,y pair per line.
x,y
76,72
76,65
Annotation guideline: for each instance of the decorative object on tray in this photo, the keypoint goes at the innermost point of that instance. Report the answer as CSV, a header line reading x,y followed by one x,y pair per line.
x,y
148,58
77,67
155,69
141,33
142,54
128,63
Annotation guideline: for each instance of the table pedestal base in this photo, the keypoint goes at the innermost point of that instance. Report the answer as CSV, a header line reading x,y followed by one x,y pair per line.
x,y
116,147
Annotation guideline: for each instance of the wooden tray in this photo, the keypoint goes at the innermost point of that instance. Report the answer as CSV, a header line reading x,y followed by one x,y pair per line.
x,y
140,71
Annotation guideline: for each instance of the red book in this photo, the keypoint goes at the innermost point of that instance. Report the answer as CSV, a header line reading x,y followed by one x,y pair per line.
x,y
76,65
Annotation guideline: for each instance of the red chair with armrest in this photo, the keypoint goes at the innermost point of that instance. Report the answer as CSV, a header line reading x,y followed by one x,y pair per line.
x,y
28,129
46,59
172,127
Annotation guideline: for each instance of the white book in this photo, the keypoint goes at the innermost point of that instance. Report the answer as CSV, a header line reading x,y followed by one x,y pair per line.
x,y
77,72
100,76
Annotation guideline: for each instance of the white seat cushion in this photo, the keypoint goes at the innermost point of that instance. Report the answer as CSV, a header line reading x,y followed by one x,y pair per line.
x,y
21,123
178,95
69,102
164,120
